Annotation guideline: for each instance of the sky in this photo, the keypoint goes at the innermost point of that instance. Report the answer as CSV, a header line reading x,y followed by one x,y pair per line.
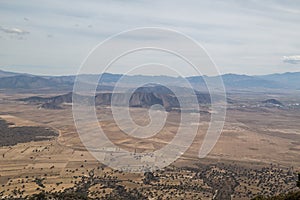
x,y
243,37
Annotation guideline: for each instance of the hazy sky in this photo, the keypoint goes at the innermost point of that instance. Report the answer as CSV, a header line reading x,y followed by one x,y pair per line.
x,y
245,37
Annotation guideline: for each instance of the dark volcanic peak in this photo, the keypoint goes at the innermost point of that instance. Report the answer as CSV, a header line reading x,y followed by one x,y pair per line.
x,y
147,99
273,102
142,97
154,88
171,90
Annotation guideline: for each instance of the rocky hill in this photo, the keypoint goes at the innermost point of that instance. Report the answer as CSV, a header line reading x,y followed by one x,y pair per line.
x,y
273,102
142,97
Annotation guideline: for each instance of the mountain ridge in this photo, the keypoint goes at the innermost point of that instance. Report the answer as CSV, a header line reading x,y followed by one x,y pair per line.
x,y
144,97
288,80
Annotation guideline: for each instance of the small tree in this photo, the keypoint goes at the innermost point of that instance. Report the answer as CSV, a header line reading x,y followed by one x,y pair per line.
x,y
298,182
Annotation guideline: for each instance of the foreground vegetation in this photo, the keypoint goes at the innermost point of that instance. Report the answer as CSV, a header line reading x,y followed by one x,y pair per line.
x,y
125,195
149,187
289,196
12,135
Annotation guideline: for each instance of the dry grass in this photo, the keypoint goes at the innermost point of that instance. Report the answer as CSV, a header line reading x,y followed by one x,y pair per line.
x,y
248,137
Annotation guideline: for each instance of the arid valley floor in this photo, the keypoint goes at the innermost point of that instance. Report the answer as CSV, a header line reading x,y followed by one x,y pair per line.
x,y
257,153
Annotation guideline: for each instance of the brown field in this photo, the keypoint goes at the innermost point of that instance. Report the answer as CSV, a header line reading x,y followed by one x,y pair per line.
x,y
252,139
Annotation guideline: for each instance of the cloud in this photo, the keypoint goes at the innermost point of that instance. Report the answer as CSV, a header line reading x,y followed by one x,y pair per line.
x,y
233,33
291,59
16,31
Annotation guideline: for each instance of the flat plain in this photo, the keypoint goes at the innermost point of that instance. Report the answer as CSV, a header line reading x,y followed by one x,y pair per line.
x,y
258,151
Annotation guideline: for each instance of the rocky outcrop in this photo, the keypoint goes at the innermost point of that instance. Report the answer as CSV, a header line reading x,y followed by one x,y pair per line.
x,y
143,97
137,99
51,106
273,102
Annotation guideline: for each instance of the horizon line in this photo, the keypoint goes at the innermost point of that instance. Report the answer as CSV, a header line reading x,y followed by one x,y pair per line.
x,y
229,73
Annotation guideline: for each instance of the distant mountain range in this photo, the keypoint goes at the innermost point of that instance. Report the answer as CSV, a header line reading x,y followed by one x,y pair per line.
x,y
7,74
285,81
